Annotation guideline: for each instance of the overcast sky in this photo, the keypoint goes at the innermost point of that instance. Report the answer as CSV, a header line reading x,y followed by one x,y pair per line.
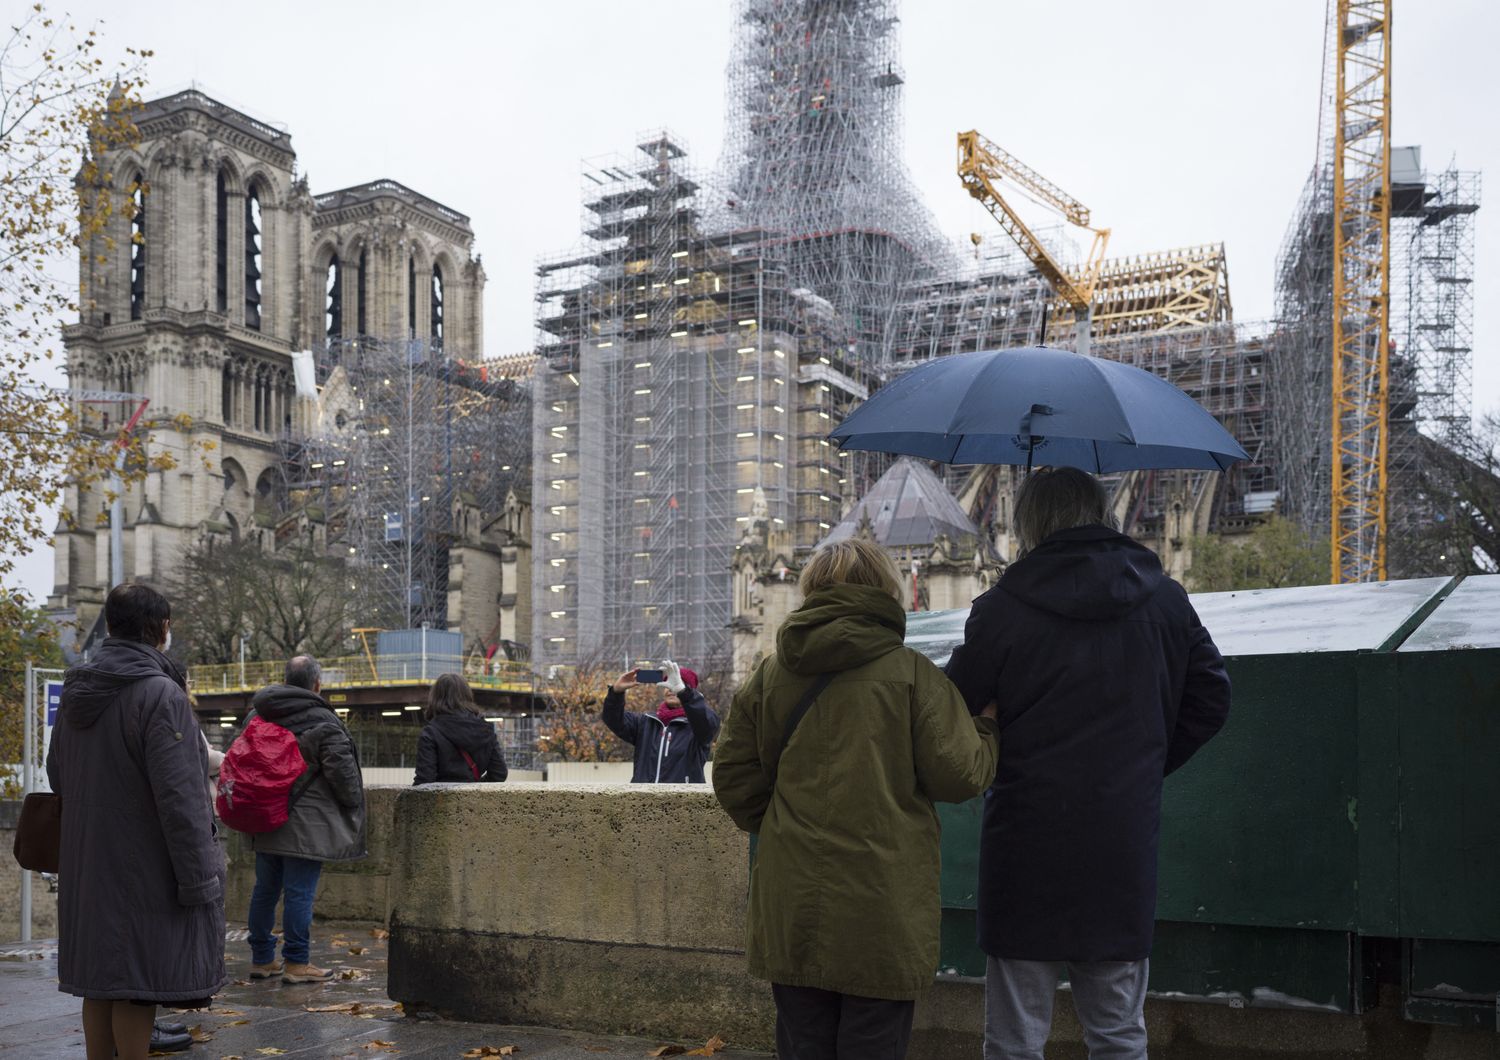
x,y
1177,121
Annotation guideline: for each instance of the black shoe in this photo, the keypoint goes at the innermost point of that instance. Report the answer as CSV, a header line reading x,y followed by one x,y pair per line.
x,y
162,1042
163,1027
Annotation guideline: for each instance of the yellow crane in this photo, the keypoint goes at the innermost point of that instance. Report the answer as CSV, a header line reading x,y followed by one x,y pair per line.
x,y
1361,287
982,166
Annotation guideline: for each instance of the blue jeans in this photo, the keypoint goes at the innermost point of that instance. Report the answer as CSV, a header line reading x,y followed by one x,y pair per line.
x,y
298,878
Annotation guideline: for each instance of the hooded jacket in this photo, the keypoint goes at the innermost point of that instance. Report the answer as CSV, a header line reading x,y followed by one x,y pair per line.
x,y
844,887
327,821
443,741
1106,682
665,752
140,874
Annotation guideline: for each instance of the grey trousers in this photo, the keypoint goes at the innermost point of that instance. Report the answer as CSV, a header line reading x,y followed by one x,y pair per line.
x,y
1109,997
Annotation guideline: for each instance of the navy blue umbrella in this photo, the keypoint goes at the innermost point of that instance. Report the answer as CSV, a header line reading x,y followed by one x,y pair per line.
x,y
1035,404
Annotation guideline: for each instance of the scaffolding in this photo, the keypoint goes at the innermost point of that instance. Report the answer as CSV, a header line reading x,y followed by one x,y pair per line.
x,y
409,442
685,386
812,161
1431,356
700,345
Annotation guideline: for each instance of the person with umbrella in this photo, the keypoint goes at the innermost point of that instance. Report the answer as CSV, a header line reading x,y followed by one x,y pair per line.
x,y
1103,677
1106,682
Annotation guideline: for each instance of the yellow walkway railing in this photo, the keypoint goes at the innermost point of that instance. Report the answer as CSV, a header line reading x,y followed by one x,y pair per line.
x,y
360,671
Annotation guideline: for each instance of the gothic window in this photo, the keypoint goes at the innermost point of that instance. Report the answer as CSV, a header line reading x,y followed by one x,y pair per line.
x,y
260,401
221,244
333,310
226,394
254,226
137,246
411,298
437,308
125,376
364,259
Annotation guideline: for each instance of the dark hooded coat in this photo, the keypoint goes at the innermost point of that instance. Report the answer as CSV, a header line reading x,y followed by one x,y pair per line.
x,y
444,741
844,888
140,874
1106,682
327,821
666,752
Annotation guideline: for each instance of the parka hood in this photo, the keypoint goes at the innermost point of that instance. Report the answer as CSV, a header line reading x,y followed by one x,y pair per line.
x,y
466,731
277,702
1088,572
94,686
839,628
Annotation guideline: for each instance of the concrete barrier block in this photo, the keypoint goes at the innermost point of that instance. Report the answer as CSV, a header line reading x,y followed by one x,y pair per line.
x,y
643,864
603,908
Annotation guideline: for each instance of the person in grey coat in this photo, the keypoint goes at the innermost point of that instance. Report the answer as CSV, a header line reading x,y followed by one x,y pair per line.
x,y
326,823
140,875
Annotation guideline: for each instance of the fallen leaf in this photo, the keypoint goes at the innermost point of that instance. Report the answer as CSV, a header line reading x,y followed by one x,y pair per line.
x,y
351,974
199,1034
376,1044
237,1023
235,1056
490,1050
356,950
667,1050
344,1006
227,1012
713,1045
379,933
338,940
242,982
271,1050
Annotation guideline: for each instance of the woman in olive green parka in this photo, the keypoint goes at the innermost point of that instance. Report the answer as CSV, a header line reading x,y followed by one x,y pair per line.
x,y
844,911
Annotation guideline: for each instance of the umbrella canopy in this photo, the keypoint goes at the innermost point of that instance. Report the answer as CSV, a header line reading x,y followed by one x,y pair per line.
x,y
1039,405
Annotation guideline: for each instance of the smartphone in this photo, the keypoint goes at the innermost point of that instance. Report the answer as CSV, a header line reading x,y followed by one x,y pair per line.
x,y
649,677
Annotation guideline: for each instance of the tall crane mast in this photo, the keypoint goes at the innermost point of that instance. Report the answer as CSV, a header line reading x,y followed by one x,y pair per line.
x,y
982,165
1361,288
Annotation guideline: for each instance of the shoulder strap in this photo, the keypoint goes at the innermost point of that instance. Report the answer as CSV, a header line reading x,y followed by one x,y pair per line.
x,y
466,756
809,697
306,779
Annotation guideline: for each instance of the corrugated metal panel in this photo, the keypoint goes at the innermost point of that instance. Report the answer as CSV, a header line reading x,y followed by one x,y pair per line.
x,y
410,642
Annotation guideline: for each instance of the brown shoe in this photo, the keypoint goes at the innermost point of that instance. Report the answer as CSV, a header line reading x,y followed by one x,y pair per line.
x,y
305,973
266,971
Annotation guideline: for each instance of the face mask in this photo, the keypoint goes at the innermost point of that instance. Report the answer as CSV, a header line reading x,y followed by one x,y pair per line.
x,y
166,645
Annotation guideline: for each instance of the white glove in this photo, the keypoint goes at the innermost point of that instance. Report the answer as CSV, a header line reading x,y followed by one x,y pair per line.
x,y
672,676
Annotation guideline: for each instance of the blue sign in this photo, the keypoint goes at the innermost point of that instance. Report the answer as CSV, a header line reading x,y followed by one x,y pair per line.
x,y
54,699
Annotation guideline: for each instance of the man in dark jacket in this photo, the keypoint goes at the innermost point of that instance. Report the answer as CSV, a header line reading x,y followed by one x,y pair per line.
x,y
326,822
1105,682
671,744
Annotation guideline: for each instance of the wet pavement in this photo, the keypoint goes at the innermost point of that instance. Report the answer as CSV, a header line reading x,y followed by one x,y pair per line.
x,y
348,1017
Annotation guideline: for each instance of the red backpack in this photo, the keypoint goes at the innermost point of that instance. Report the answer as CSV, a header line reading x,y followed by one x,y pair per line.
x,y
257,776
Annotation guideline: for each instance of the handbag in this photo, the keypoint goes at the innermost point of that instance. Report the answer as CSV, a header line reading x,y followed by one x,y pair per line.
x,y
39,832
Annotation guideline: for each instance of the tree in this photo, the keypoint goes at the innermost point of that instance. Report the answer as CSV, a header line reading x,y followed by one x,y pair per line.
x,y
1275,554
63,108
25,635
291,602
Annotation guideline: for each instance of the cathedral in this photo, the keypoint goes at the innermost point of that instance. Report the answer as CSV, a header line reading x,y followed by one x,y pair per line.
x,y
228,298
